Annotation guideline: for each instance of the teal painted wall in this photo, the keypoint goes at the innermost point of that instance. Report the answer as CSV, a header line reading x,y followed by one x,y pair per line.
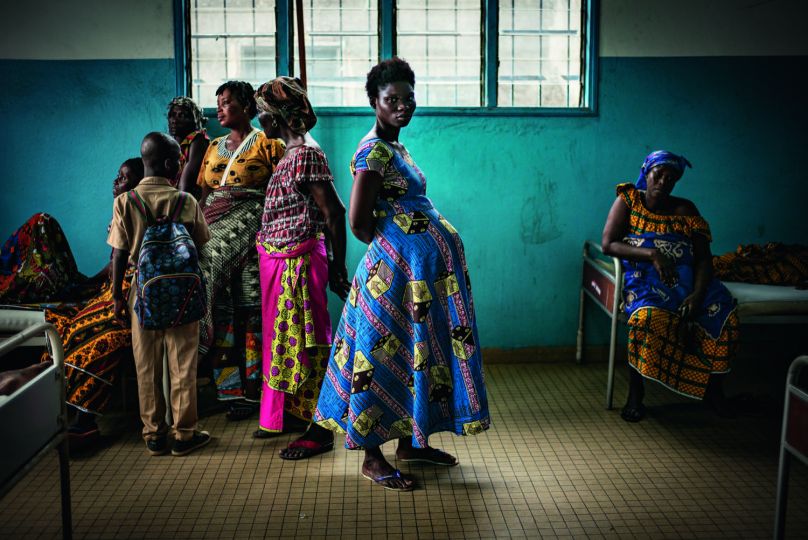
x,y
523,192
69,125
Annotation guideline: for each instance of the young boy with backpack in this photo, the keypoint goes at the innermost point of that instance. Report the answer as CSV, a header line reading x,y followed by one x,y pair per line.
x,y
158,229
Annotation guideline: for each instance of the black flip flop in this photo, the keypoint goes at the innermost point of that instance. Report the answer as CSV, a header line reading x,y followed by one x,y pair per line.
x,y
310,449
240,411
632,414
264,434
379,480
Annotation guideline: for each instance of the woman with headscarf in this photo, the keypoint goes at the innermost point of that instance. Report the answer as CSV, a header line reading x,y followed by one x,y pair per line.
x,y
683,327
186,124
233,178
301,250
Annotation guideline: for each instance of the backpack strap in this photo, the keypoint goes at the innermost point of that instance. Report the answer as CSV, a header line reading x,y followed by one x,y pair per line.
x,y
178,206
141,206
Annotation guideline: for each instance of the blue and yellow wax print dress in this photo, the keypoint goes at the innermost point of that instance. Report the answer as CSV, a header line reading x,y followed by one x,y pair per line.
x,y
405,360
658,346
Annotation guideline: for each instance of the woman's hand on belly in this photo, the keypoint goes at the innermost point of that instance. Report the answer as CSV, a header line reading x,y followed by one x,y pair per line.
x,y
665,267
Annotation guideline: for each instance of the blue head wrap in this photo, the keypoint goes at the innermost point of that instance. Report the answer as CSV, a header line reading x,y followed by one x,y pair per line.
x,y
661,157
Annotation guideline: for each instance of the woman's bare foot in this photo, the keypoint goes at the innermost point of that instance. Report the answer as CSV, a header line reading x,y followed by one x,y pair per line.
x,y
378,470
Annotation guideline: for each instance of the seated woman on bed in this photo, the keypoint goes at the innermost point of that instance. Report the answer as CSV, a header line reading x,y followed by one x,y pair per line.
x,y
682,322
44,271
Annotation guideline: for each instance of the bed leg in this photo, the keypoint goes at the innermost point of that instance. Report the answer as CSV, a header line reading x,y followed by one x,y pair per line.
x,y
782,494
64,476
579,346
610,375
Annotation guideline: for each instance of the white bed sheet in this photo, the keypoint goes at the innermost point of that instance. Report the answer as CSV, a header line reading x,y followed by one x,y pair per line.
x,y
757,300
15,319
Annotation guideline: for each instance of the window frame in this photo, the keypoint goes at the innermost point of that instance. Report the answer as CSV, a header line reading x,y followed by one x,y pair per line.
x,y
284,47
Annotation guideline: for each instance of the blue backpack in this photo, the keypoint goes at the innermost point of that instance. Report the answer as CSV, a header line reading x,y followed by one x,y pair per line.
x,y
169,285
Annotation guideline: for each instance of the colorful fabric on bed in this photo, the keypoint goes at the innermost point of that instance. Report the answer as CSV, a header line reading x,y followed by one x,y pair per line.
x,y
37,265
297,329
406,358
772,263
678,353
94,345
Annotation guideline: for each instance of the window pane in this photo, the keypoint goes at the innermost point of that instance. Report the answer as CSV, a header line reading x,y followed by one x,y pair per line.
x,y
230,40
441,41
539,53
342,44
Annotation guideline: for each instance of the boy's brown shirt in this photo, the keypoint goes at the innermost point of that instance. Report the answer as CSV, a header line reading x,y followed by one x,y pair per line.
x,y
129,225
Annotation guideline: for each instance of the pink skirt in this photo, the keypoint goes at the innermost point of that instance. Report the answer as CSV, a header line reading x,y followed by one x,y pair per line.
x,y
296,330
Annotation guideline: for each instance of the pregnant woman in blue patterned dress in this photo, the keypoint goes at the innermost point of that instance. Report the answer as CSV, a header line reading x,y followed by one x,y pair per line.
x,y
405,362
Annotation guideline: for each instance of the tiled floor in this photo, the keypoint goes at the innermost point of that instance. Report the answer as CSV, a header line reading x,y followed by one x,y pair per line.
x,y
554,464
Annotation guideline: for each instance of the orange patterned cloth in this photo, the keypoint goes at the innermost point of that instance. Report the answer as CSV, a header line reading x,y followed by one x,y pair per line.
x,y
643,220
94,345
680,358
771,264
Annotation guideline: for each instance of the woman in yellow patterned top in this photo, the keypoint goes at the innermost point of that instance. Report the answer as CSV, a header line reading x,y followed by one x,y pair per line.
x,y
682,322
233,178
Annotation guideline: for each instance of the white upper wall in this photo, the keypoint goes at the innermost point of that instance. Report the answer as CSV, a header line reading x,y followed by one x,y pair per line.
x,y
703,27
134,29
87,29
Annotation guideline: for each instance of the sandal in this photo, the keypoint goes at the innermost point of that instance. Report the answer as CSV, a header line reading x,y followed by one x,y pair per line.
x,y
264,434
309,449
437,452
240,411
632,414
82,432
379,480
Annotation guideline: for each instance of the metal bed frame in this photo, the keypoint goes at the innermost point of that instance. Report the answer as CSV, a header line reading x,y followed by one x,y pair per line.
x,y
793,439
57,439
602,282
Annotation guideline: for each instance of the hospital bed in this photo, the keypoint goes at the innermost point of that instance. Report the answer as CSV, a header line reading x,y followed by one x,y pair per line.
x,y
793,439
14,318
602,283
33,418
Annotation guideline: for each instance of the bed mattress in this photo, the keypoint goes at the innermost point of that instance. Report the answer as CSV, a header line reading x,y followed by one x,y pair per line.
x,y
756,300
14,319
